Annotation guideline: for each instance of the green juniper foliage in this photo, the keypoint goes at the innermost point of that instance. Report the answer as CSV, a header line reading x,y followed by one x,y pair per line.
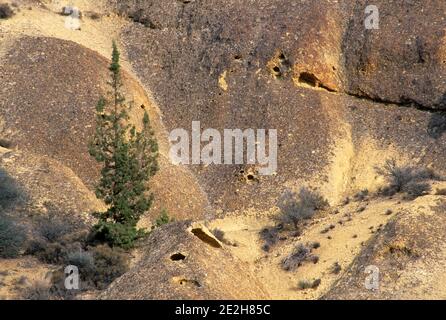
x,y
129,160
162,219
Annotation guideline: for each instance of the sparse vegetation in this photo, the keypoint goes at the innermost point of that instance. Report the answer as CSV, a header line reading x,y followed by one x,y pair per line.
x,y
335,268
82,259
52,227
39,290
315,245
98,266
9,191
12,238
361,195
56,235
270,236
47,252
108,264
5,11
300,255
297,207
162,219
129,160
410,180
416,189
308,284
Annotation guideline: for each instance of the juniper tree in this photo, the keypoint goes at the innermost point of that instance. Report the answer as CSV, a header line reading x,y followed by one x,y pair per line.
x,y
129,160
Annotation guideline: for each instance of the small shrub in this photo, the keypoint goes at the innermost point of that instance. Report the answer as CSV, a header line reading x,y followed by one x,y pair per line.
x,y
98,267
9,191
361,195
297,207
304,284
12,238
5,11
300,255
335,268
162,219
270,236
94,15
312,199
416,189
220,235
307,284
54,253
39,290
56,289
314,259
82,259
315,245
52,228
109,263
406,179
325,230
441,192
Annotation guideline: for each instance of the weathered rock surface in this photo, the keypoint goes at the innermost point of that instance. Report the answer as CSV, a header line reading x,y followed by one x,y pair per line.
x,y
402,62
342,97
256,64
185,261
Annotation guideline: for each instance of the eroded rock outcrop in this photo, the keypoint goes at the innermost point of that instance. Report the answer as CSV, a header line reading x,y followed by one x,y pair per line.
x,y
299,67
185,261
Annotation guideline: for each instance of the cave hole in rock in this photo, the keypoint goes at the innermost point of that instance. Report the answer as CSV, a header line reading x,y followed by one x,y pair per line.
x,y
277,72
189,283
177,257
308,79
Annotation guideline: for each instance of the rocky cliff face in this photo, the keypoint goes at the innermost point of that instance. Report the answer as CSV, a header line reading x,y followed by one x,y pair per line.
x,y
342,97
235,64
187,261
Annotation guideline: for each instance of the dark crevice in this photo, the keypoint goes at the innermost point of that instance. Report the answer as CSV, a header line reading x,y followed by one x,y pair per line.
x,y
405,102
311,80
203,236
140,17
177,257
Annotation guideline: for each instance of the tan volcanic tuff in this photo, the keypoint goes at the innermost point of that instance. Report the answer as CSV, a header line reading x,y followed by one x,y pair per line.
x,y
344,99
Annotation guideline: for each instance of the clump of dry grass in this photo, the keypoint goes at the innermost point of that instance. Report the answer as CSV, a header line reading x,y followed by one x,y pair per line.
x,y
308,284
300,255
410,180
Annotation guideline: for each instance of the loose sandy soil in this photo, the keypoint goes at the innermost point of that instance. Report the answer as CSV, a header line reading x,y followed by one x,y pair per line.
x,y
353,229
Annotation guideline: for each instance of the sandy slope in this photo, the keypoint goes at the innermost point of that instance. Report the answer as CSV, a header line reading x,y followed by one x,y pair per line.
x,y
341,244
